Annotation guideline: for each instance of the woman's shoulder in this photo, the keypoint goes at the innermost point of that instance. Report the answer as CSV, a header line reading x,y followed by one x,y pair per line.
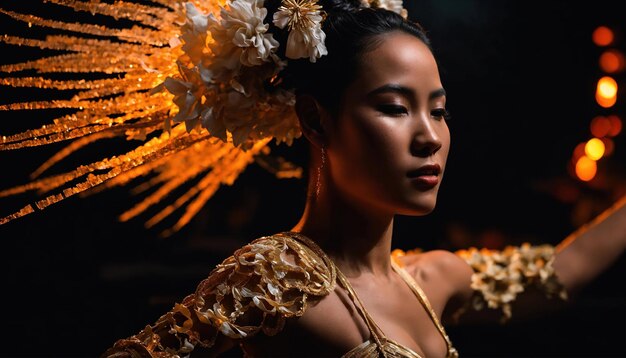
x,y
436,262
451,273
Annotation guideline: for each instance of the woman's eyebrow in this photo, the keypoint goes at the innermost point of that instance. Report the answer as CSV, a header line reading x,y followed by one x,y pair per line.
x,y
406,91
393,88
437,93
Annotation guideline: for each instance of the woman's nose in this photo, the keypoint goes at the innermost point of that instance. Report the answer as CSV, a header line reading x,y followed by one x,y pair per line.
x,y
426,140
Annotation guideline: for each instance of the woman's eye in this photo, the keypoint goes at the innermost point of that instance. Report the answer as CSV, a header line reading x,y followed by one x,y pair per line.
x,y
441,113
393,109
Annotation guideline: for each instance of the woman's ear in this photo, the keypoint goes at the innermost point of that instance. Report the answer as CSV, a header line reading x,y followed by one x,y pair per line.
x,y
313,118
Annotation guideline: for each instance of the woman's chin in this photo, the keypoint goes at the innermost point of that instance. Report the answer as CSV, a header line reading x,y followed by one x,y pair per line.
x,y
422,207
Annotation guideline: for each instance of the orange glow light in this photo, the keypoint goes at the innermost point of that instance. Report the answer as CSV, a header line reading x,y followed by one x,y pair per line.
x,y
600,126
594,149
616,125
606,92
607,87
612,61
602,36
586,168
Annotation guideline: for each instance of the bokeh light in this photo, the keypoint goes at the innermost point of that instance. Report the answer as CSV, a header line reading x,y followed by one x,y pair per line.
x,y
602,36
586,168
600,126
606,92
594,149
616,125
612,61
607,87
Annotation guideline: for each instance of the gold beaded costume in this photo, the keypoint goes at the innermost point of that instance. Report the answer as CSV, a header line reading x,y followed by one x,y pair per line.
x,y
263,281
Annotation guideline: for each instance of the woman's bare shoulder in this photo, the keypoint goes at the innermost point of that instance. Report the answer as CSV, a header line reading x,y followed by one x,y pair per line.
x,y
450,272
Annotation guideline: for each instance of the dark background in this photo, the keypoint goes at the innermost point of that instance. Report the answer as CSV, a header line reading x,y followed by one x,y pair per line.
x,y
520,78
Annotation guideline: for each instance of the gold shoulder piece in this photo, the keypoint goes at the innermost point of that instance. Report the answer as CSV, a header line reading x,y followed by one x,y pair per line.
x,y
254,290
499,276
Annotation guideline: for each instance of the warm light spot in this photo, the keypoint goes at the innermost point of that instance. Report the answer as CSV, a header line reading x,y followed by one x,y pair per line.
x,y
607,87
602,36
616,125
612,61
606,92
586,168
594,149
609,146
600,126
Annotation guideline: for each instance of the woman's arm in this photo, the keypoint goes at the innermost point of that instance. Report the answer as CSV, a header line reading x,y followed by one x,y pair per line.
x,y
592,248
576,261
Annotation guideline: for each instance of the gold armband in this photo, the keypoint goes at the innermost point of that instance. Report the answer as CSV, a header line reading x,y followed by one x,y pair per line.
x,y
499,276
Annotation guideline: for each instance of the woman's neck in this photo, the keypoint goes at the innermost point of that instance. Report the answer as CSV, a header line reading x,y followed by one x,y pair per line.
x,y
355,236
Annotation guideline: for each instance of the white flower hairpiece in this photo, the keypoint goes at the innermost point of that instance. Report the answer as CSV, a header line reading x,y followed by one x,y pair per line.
x,y
229,57
221,84
304,19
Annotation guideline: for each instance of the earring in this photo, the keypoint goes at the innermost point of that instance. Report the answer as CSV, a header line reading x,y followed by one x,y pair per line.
x,y
319,171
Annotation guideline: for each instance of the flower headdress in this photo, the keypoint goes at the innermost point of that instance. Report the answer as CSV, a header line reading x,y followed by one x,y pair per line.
x,y
195,82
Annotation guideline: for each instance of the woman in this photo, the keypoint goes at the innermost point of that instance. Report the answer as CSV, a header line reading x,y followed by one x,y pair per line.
x,y
373,110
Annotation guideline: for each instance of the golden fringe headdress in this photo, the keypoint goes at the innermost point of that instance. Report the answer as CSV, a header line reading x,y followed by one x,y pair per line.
x,y
193,81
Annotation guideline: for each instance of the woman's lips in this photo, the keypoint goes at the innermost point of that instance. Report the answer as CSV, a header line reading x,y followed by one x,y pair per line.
x,y
425,177
425,181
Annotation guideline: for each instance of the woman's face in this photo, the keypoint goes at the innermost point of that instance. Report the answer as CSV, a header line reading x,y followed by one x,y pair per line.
x,y
388,148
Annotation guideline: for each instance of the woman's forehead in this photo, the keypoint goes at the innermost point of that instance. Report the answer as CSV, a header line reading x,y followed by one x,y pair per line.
x,y
399,58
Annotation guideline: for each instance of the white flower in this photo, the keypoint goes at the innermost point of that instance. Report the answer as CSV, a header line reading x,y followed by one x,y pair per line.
x,y
229,58
197,19
241,33
303,19
184,99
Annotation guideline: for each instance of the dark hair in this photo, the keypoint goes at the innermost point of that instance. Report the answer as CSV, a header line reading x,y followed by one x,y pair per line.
x,y
351,31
